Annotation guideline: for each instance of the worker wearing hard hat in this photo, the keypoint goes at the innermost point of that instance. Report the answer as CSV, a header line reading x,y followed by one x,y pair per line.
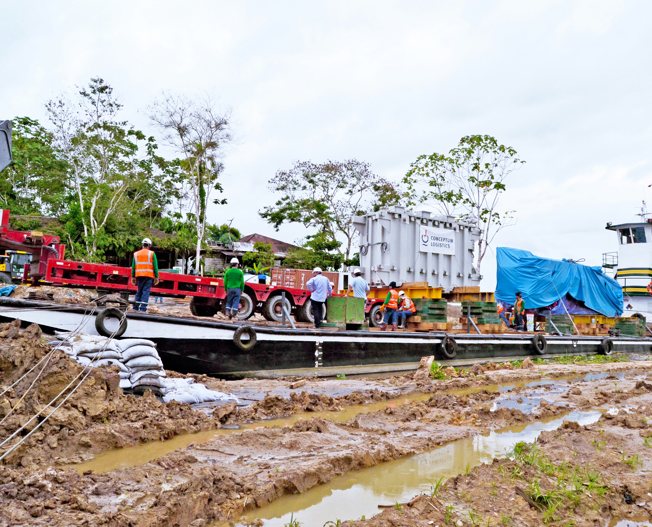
x,y
144,274
390,305
358,285
234,285
406,308
320,289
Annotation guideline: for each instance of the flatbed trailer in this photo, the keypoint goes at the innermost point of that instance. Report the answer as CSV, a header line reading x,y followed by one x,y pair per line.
x,y
207,293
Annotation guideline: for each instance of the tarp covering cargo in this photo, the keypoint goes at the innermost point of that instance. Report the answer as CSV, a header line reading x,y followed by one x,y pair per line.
x,y
543,281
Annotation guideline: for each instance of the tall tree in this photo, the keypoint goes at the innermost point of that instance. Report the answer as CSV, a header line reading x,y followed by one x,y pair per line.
x,y
467,183
37,181
326,196
112,166
198,134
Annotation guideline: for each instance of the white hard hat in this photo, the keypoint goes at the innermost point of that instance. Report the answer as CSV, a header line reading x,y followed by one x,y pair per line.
x,y
234,260
147,241
357,271
317,270
401,293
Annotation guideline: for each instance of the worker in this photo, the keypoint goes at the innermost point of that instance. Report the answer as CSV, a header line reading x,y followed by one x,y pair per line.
x,y
320,289
359,285
144,274
390,306
234,285
519,312
406,308
503,314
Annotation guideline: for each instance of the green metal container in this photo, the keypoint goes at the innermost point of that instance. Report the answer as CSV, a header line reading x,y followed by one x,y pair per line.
x,y
345,310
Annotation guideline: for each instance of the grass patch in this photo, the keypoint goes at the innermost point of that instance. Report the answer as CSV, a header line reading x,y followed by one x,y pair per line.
x,y
292,522
583,359
437,371
340,376
555,487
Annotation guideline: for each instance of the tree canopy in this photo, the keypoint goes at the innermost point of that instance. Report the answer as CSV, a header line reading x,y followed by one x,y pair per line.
x,y
326,197
466,183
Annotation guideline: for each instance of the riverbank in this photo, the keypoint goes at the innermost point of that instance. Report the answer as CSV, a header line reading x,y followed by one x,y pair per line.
x,y
105,458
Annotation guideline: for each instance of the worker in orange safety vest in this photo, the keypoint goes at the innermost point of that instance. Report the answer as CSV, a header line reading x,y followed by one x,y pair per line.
x,y
390,305
406,308
144,274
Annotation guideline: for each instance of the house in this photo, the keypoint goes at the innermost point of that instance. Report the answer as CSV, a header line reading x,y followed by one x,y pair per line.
x,y
221,253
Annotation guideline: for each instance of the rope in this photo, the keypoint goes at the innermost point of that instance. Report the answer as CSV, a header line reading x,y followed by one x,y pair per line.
x,y
49,355
86,371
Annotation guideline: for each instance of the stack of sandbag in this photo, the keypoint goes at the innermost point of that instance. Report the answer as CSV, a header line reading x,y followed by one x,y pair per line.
x,y
96,351
143,362
139,363
188,391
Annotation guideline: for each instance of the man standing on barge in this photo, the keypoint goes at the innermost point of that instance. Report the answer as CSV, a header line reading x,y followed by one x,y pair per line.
x,y
320,289
144,274
234,285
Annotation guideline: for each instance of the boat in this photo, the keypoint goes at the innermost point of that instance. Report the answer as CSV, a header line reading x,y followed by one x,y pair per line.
x,y
235,350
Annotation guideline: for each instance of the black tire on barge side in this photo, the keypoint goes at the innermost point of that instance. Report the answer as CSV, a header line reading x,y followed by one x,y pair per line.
x,y
250,338
111,313
448,347
539,344
606,346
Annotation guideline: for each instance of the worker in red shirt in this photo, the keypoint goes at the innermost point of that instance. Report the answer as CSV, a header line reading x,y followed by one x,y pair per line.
x,y
144,274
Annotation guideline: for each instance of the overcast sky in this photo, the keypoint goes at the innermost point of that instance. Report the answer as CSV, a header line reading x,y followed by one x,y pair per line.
x,y
567,83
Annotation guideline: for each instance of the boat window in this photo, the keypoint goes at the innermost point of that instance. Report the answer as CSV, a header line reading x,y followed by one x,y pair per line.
x,y
632,235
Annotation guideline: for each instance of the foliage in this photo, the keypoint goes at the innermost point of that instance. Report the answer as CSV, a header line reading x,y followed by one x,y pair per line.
x,y
292,522
437,371
222,233
467,183
198,134
584,359
326,197
261,259
116,176
37,180
436,487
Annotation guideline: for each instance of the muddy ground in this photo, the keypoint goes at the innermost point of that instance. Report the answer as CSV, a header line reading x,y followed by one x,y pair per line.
x,y
288,436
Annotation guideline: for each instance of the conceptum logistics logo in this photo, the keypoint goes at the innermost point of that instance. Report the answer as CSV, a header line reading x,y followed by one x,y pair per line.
x,y
433,240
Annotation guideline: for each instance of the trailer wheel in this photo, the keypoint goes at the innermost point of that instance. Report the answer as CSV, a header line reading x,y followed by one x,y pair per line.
x,y
375,316
245,338
246,308
448,347
539,344
203,307
304,312
273,308
606,346
111,322
5,278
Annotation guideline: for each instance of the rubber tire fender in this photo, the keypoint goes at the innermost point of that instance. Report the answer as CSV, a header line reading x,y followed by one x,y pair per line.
x,y
247,344
110,312
539,344
606,346
448,347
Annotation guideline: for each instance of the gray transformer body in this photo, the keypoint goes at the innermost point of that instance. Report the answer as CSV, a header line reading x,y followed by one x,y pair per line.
x,y
405,246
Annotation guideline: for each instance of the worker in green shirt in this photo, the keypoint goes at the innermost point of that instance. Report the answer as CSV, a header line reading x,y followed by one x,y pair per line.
x,y
234,284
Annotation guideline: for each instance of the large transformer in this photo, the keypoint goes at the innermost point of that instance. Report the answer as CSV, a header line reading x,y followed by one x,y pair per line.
x,y
405,246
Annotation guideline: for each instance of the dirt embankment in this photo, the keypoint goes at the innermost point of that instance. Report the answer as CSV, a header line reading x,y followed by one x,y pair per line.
x,y
581,473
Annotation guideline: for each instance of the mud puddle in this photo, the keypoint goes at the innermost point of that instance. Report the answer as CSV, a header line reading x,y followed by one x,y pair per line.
x,y
360,493
139,455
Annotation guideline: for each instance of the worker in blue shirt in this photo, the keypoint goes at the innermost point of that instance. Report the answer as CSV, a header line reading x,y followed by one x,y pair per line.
x,y
320,289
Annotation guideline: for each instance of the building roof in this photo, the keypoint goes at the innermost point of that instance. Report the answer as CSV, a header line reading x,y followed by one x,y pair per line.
x,y
279,248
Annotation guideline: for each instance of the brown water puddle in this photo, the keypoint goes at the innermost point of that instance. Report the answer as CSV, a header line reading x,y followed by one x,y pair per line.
x,y
359,493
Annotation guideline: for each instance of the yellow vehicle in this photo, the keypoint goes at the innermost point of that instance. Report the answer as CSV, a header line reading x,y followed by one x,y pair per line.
x,y
12,264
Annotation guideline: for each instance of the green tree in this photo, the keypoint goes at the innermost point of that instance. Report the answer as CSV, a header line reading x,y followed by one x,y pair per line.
x,y
112,166
466,183
317,251
326,197
37,180
198,133
223,233
261,259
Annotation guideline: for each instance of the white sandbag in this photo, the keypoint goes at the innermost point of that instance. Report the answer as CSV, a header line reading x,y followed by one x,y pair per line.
x,y
125,384
84,361
125,374
125,344
187,391
144,361
139,351
106,354
110,362
148,381
136,376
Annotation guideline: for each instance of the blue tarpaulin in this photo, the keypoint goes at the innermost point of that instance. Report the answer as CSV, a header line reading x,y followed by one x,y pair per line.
x,y
543,281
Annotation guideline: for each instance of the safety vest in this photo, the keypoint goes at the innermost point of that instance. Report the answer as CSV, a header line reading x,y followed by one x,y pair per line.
x,y
518,306
144,263
408,305
393,299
